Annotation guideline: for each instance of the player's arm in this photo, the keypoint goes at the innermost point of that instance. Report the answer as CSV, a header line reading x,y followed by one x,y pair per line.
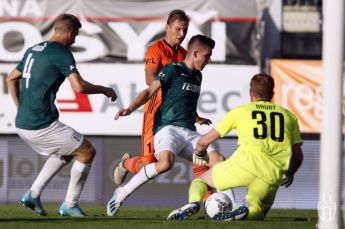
x,y
82,86
153,64
12,81
296,158
150,74
205,141
295,163
200,156
140,100
201,120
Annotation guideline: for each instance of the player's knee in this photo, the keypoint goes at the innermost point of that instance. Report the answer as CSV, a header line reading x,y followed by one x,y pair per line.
x,y
86,152
164,165
165,161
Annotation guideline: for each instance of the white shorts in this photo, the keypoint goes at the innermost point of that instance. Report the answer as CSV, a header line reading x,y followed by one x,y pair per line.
x,y
179,140
56,140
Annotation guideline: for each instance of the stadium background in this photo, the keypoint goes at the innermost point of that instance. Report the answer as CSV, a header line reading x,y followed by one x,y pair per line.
x,y
283,38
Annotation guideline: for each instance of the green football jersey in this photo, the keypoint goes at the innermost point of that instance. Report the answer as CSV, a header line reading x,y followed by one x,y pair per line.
x,y
44,67
266,133
180,93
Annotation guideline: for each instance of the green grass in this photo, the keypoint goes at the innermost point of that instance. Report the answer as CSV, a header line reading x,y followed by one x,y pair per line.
x,y
16,216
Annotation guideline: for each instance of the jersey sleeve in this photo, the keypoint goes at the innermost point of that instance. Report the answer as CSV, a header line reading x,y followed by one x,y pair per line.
x,y
227,123
166,75
153,58
20,66
65,62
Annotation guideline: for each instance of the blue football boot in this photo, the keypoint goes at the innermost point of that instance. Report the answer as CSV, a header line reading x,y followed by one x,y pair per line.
x,y
184,212
237,214
73,211
33,203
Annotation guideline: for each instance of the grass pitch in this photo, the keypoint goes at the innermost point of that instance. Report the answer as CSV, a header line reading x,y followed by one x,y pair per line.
x,y
16,216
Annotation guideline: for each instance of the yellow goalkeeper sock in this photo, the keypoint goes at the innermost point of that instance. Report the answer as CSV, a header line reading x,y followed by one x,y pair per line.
x,y
197,190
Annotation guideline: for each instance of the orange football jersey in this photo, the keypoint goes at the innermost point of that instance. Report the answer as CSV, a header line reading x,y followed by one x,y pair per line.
x,y
157,56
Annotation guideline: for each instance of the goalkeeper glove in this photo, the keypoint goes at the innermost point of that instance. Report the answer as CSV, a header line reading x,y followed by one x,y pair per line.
x,y
200,160
287,179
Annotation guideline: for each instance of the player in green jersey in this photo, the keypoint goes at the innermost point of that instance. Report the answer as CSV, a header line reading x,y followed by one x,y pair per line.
x,y
269,154
41,72
174,125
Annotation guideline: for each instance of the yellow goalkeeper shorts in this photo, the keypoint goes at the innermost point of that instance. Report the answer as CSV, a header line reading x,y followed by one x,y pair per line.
x,y
228,174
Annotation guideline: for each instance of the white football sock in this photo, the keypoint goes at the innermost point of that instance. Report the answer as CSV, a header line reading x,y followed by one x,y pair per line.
x,y
79,174
231,195
52,166
145,174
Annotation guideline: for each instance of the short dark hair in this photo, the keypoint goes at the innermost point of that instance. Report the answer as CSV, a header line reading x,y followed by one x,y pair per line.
x,y
66,22
201,40
262,85
177,15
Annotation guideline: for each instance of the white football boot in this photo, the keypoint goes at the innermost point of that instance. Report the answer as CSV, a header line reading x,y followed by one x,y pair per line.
x,y
120,171
115,202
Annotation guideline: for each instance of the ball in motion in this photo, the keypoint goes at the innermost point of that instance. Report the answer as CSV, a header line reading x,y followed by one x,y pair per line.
x,y
216,203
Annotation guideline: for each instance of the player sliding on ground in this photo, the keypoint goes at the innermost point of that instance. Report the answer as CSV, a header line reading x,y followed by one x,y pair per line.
x,y
269,154
175,131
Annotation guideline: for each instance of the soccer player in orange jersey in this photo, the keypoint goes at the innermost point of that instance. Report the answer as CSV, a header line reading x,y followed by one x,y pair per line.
x,y
158,55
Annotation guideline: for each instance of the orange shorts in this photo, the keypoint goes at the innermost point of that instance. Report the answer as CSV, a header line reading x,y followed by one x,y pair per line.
x,y
150,108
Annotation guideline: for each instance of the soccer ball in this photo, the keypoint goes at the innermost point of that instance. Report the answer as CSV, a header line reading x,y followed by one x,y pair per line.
x,y
216,203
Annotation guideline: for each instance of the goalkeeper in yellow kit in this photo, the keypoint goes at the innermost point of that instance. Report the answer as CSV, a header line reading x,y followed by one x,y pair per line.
x,y
269,154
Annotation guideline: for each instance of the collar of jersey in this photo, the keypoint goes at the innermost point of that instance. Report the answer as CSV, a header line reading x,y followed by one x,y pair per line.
x,y
167,44
190,71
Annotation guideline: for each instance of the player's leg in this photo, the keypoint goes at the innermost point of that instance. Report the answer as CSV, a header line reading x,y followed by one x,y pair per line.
x,y
260,196
165,162
197,191
214,158
135,164
222,176
31,198
81,167
47,141
225,176
166,150
52,166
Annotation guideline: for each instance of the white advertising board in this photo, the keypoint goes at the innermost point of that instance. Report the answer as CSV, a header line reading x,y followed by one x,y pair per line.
x,y
224,87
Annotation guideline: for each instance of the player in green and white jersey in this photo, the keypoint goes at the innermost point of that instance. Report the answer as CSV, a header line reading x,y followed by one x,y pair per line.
x,y
269,154
41,72
175,132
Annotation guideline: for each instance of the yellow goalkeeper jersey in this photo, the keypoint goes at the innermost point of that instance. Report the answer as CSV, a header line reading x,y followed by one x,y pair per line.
x,y
266,133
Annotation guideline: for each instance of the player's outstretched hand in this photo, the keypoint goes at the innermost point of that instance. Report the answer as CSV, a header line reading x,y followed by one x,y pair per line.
x,y
110,93
200,160
203,121
287,180
122,112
